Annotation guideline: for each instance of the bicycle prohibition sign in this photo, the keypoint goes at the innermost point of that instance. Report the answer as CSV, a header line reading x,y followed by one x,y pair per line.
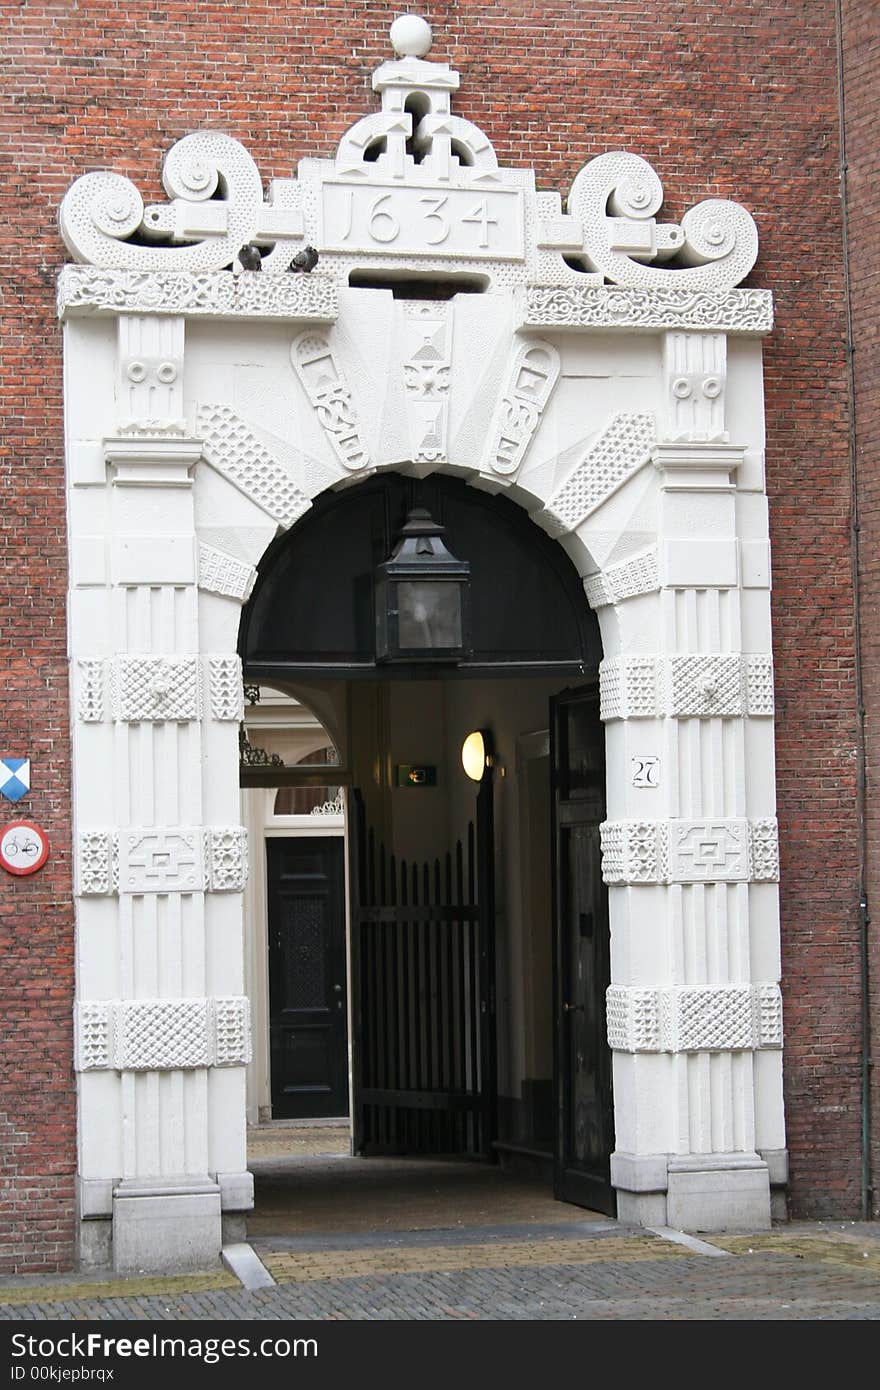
x,y
24,848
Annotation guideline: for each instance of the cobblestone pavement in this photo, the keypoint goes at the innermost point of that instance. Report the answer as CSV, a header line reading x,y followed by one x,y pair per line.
x,y
403,1240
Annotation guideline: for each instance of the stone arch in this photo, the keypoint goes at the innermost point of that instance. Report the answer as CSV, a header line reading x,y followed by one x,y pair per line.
x,y
317,522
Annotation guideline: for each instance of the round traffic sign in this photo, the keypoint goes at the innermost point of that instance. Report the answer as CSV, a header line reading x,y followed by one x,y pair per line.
x,y
24,848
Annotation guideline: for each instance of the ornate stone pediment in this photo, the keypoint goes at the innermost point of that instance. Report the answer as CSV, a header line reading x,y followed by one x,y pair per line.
x,y
413,190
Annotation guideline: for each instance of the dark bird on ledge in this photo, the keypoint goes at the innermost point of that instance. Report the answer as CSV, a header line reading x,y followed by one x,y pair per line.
x,y
304,260
249,257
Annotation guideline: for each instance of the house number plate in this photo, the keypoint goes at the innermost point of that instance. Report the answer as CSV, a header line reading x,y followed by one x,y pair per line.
x,y
646,771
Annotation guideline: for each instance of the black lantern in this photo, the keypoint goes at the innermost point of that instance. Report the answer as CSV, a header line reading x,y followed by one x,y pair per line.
x,y
422,597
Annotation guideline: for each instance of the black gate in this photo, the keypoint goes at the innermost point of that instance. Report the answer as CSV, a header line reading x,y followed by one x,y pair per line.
x,y
424,995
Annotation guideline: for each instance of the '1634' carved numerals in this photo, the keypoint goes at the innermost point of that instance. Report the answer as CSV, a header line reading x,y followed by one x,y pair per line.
x,y
434,222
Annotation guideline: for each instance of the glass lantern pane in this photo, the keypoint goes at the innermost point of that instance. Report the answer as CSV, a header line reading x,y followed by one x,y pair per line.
x,y
429,615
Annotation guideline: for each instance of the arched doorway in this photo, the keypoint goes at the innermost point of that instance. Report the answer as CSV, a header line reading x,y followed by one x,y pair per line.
x,y
477,921
209,410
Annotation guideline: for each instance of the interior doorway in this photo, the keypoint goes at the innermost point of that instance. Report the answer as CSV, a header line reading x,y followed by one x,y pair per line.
x,y
308,1013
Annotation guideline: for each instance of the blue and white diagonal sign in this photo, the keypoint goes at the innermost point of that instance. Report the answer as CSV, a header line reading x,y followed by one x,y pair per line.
x,y
15,778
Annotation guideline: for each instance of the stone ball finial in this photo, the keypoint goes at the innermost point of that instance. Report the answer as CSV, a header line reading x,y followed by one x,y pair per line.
x,y
411,36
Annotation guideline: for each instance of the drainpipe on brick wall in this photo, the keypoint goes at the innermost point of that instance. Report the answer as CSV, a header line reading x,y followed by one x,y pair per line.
x,y
866,1189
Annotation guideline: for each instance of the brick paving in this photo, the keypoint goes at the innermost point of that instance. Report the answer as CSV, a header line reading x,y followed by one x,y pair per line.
x,y
604,1285
487,1252
357,1262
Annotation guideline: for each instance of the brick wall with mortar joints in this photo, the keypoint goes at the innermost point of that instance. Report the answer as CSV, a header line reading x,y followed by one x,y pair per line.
x,y
861,51
725,100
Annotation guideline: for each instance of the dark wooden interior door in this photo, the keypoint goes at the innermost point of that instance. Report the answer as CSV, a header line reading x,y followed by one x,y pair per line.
x,y
307,986
585,1116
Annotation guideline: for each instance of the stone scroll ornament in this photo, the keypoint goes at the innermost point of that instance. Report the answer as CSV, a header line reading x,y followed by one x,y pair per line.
x,y
616,197
101,211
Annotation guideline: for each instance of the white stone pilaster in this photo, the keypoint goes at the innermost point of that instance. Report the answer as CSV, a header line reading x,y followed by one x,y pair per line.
x,y
696,1001
160,857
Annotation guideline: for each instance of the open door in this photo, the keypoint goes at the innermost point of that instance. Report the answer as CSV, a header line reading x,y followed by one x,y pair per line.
x,y
582,1058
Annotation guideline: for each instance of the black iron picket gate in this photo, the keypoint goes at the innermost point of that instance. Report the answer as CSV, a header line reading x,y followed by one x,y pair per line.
x,y
424,995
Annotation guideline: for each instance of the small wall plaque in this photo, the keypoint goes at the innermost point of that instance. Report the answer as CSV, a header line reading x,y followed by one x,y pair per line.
x,y
415,775
15,778
646,771
24,848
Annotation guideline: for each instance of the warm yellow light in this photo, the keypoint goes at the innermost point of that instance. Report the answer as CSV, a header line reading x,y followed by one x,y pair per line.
x,y
473,756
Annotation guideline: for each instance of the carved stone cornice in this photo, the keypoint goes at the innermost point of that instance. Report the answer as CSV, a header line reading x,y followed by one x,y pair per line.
x,y
152,460
89,291
697,467
576,307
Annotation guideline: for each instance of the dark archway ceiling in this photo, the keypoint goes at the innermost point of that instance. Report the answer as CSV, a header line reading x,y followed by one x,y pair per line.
x,y
311,612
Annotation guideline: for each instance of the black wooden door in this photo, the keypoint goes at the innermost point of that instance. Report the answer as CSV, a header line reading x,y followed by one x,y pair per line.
x,y
582,1064
307,994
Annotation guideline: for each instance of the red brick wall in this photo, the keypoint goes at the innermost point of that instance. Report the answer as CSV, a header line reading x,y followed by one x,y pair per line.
x,y
808,480
37,1101
861,50
725,98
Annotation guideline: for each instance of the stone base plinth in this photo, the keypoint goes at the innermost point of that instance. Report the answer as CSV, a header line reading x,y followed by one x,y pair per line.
x,y
166,1227
718,1192
701,1192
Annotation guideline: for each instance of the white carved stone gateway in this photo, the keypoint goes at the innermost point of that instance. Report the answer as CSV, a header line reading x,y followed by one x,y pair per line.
x,y
601,367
